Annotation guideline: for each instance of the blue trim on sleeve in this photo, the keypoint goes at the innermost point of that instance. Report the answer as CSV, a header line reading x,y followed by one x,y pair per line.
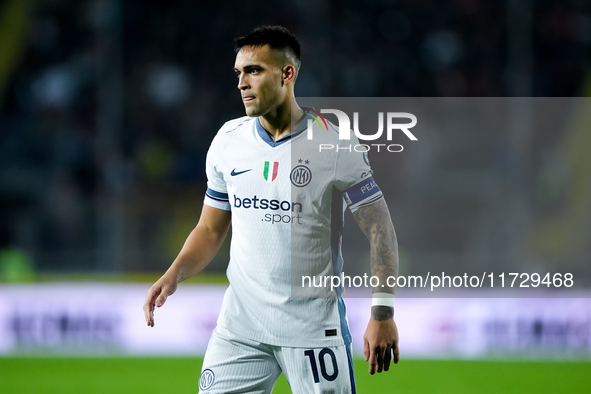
x,y
223,205
337,221
351,371
216,195
362,191
345,332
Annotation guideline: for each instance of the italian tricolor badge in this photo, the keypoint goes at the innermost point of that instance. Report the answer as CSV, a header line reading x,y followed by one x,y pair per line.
x,y
270,170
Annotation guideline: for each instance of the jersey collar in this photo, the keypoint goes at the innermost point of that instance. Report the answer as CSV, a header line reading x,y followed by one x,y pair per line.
x,y
264,134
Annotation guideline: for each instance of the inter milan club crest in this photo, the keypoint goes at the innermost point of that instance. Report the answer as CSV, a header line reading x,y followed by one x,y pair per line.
x,y
270,170
301,175
207,379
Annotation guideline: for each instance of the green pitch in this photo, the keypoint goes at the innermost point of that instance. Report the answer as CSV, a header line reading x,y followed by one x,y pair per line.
x,y
179,375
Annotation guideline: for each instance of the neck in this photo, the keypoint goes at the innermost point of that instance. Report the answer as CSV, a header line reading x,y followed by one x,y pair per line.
x,y
282,120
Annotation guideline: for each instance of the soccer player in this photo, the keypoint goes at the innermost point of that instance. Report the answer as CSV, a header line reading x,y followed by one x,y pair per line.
x,y
286,207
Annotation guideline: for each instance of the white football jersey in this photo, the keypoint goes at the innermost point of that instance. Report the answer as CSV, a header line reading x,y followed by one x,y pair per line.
x,y
286,199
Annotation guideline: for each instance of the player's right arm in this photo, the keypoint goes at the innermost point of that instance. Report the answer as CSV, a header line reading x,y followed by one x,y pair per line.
x,y
199,249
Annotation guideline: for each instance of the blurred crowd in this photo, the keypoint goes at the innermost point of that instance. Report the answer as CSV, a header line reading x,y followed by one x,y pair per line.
x,y
110,98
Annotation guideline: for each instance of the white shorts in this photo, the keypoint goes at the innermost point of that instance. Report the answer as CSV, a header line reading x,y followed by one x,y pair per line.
x,y
234,364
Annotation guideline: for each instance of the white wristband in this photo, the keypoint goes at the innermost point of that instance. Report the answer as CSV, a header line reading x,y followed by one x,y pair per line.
x,y
382,299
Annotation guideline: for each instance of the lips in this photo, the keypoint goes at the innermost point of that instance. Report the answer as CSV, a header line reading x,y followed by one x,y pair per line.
x,y
248,98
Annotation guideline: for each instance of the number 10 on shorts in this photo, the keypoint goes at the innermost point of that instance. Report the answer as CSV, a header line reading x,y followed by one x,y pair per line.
x,y
322,361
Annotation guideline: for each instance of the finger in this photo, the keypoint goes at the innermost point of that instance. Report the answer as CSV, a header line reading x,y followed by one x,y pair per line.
x,y
149,315
380,358
146,314
396,353
372,361
149,307
366,349
387,358
161,299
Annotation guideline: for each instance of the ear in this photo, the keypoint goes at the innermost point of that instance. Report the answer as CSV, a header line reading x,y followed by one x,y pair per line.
x,y
288,74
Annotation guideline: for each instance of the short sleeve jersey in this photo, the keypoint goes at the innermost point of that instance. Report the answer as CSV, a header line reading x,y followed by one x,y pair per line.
x,y
287,200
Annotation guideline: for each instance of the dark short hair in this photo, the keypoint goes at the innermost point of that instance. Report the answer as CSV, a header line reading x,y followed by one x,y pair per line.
x,y
277,37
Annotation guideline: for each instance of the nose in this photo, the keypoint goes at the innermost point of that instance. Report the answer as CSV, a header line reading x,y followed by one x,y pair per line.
x,y
242,82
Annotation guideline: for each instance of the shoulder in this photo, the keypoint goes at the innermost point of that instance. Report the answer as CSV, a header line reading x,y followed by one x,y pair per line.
x,y
235,125
228,130
327,132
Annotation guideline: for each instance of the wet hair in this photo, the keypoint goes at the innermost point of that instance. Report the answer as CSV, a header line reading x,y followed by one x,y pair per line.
x,y
277,37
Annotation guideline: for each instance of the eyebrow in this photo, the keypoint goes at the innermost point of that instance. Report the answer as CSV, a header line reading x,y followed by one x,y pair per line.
x,y
249,66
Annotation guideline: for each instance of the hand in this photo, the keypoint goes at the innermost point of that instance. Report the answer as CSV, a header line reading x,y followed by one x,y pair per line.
x,y
157,295
379,342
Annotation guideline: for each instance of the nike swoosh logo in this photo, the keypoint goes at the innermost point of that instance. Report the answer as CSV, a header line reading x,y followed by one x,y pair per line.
x,y
234,173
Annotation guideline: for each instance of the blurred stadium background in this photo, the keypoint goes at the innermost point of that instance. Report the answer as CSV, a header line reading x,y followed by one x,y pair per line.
x,y
107,108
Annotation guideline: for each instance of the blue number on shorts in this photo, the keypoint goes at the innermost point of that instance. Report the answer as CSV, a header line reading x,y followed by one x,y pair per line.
x,y
310,353
325,375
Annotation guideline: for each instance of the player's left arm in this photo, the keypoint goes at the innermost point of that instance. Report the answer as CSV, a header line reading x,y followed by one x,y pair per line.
x,y
381,337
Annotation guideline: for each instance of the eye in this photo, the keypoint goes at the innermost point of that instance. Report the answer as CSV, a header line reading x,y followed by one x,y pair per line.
x,y
254,71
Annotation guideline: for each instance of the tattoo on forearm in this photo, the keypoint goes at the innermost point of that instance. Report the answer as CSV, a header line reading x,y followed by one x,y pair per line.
x,y
375,222
381,313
